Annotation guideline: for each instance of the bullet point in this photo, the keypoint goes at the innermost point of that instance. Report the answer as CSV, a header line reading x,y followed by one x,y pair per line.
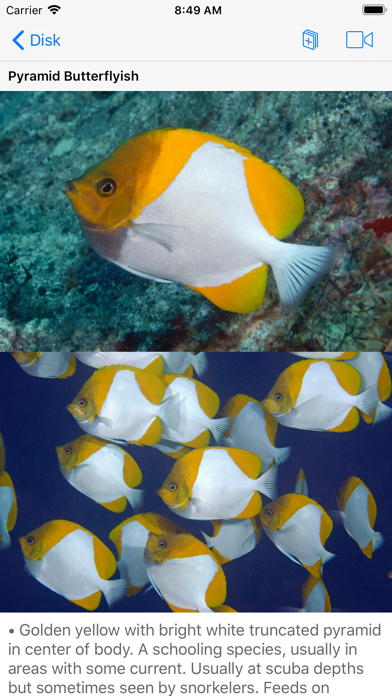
x,y
11,630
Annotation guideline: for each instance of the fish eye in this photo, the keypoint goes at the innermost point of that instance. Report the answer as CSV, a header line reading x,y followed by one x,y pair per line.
x,y
172,486
162,544
278,396
269,513
67,450
107,187
30,540
337,493
82,403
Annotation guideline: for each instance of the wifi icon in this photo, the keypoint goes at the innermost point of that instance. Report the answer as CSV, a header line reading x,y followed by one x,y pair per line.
x,y
54,8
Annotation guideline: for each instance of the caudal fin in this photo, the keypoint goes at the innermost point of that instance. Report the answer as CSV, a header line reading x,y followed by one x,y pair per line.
x,y
267,482
115,590
368,400
327,556
377,541
383,412
219,427
174,361
281,454
298,268
135,498
199,363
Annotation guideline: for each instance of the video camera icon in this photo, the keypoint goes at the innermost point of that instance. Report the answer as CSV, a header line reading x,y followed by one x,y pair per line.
x,y
357,39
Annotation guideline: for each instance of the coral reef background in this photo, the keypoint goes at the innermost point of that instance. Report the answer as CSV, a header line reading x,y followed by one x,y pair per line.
x,y
56,293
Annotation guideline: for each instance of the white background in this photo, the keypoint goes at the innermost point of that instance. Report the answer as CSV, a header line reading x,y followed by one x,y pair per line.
x,y
373,652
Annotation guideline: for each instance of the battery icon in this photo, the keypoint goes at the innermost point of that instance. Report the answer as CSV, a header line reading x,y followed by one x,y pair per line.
x,y
373,9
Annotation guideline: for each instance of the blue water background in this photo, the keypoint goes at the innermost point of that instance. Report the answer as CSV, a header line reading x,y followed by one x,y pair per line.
x,y
33,421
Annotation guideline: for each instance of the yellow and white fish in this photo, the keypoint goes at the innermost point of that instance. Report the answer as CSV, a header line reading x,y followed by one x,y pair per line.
x,y
171,362
177,205
315,597
2,453
374,370
301,484
184,572
124,403
320,395
215,483
358,511
102,471
342,355
254,429
299,527
8,509
72,562
130,539
198,406
46,364
234,538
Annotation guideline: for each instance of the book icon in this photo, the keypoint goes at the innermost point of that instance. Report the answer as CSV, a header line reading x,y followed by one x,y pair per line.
x,y
310,39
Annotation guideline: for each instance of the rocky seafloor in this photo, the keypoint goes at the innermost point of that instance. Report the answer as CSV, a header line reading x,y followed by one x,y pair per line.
x,y
57,294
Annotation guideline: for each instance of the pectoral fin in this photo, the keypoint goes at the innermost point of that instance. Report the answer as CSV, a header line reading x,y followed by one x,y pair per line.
x,y
168,236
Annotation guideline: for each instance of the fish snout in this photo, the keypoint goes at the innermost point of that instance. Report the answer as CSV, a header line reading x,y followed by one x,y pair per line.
x,y
75,411
68,186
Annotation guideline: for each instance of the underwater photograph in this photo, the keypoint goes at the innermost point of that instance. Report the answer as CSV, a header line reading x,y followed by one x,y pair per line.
x,y
177,481
196,221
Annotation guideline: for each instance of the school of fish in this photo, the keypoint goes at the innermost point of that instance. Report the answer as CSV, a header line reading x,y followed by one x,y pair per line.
x,y
154,400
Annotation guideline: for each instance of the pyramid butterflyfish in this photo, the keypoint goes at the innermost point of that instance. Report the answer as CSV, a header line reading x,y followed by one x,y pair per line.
x,y
124,403
184,572
299,527
50,365
217,483
358,511
72,562
178,205
320,395
103,471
